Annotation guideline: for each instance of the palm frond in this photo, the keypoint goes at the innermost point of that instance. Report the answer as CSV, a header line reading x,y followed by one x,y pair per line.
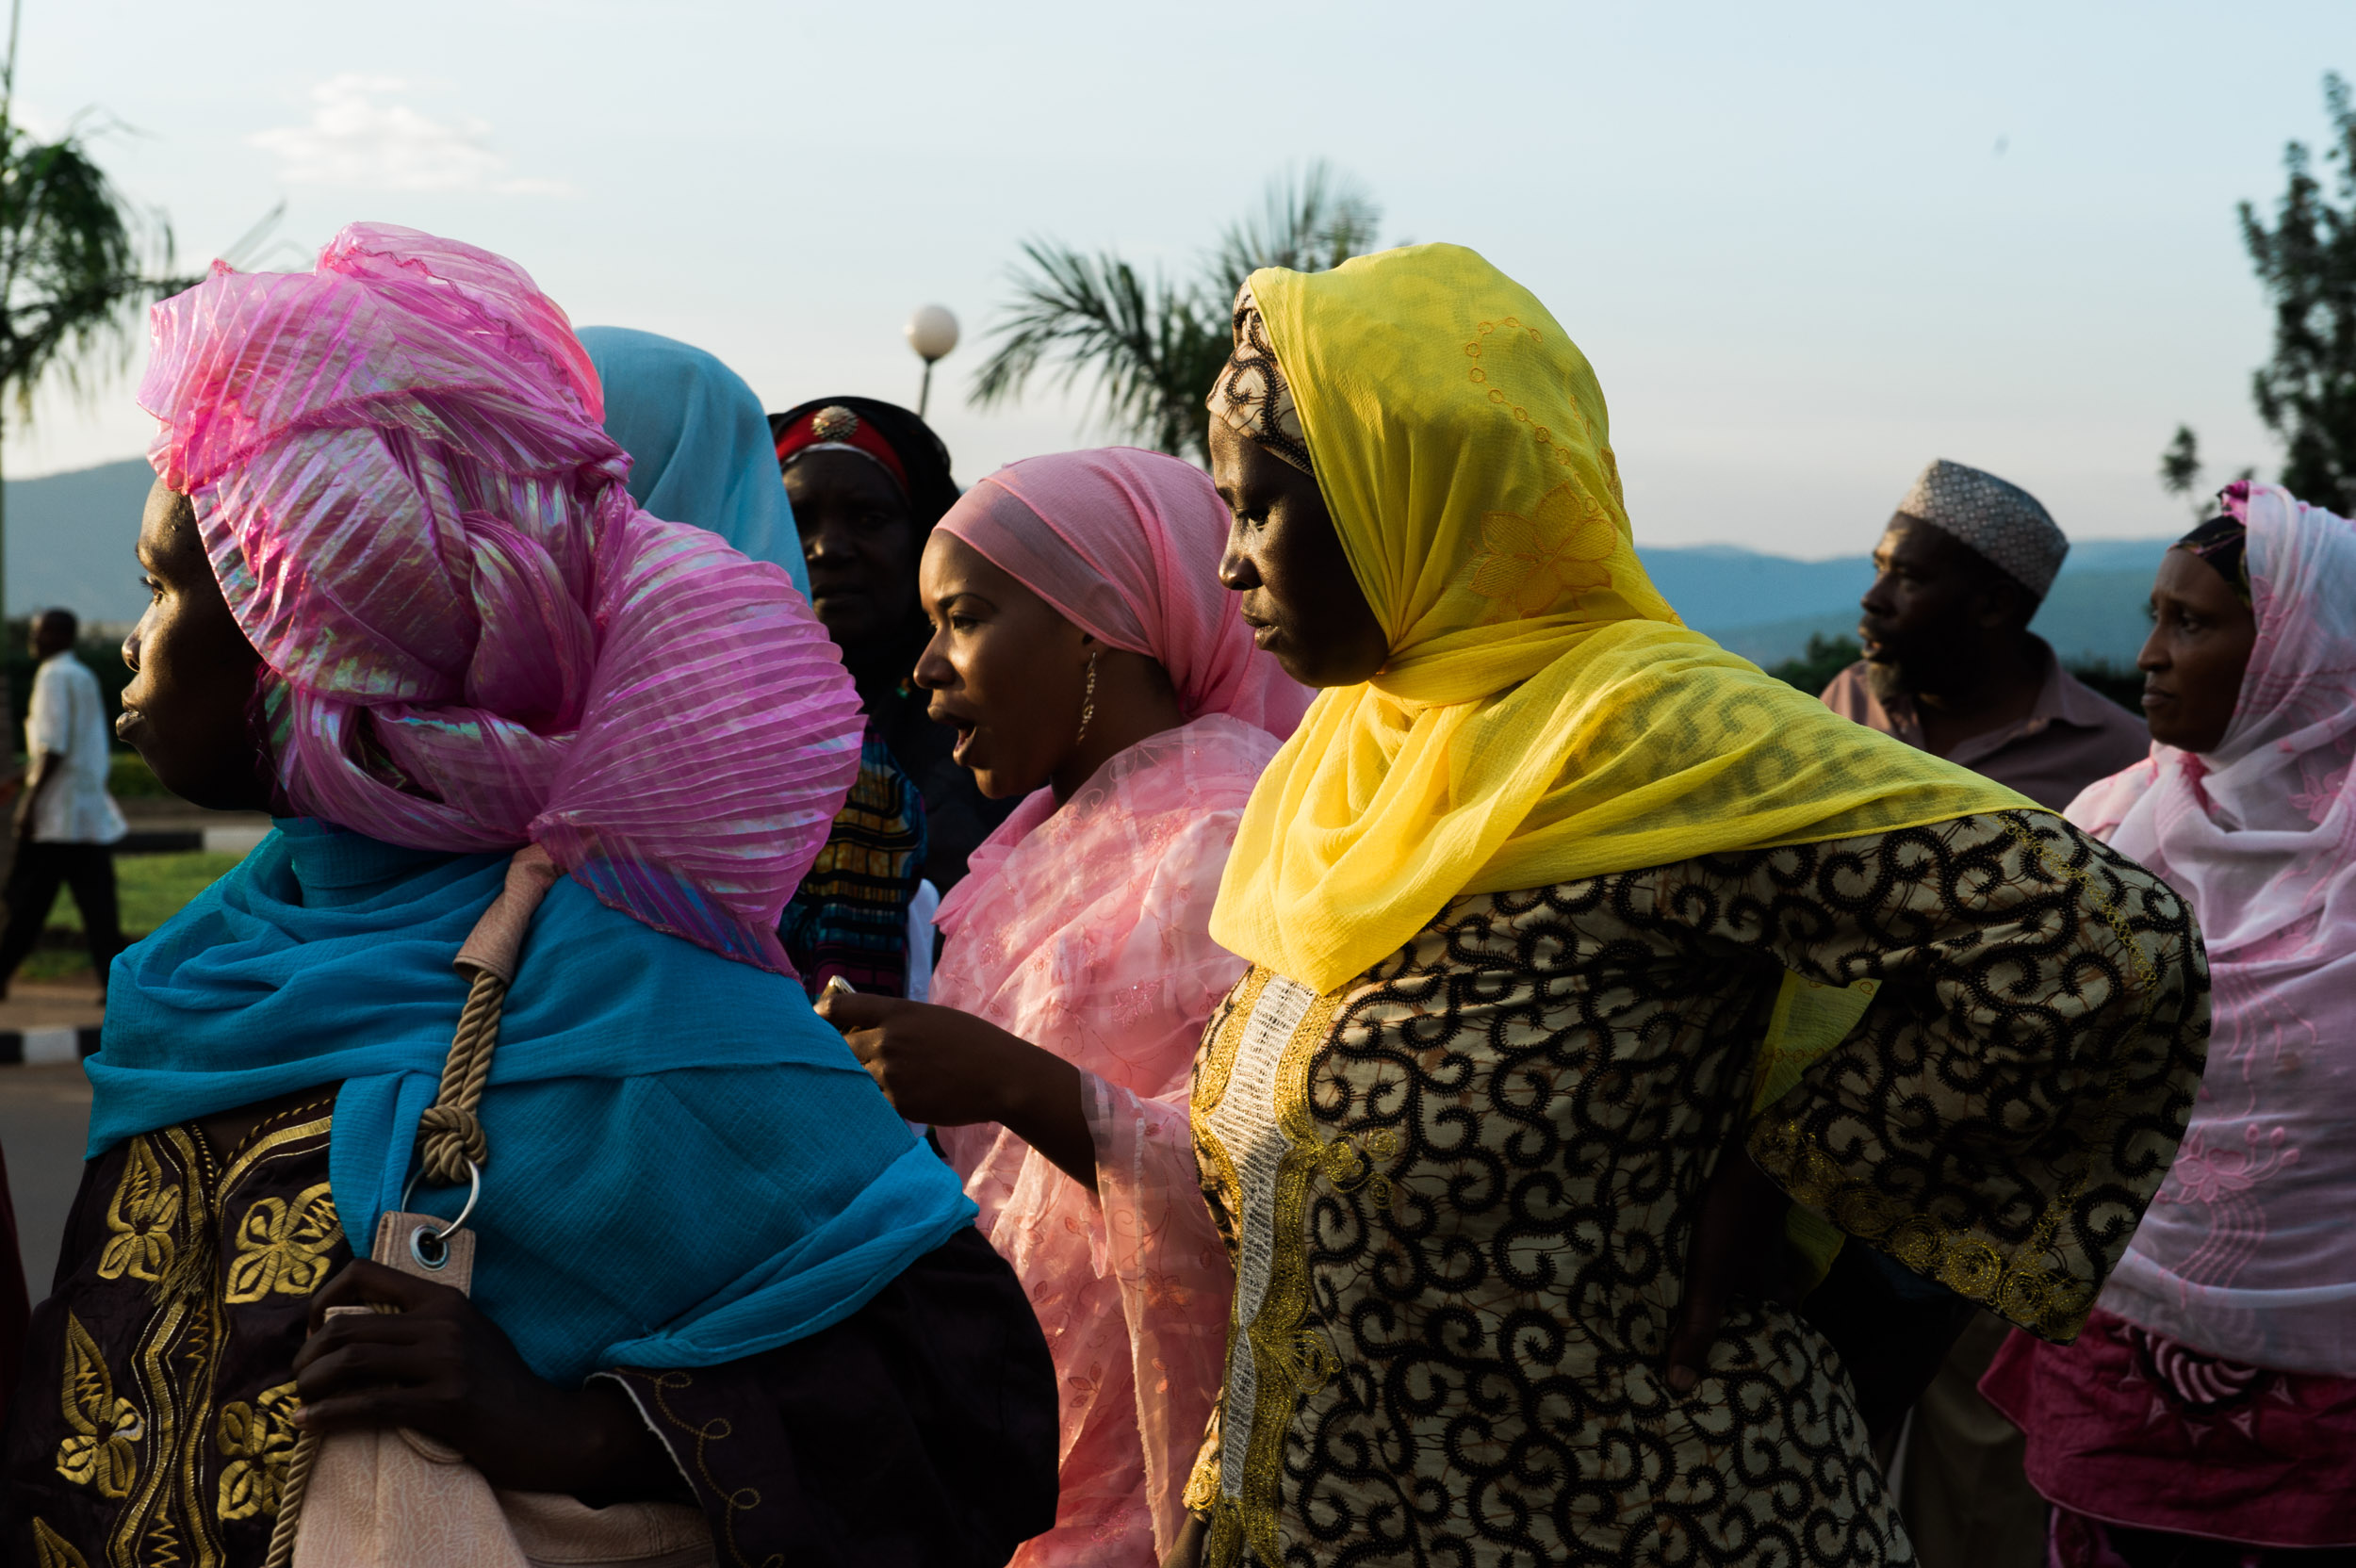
x,y
1140,339
75,267
1152,349
1309,223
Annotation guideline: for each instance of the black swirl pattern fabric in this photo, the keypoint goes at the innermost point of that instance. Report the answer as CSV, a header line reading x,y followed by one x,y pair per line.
x,y
1501,1133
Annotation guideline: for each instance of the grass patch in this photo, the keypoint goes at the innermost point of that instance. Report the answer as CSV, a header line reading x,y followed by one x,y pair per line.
x,y
149,891
150,888
129,778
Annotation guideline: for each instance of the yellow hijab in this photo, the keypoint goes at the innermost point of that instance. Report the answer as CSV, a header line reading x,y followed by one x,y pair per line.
x,y
1544,716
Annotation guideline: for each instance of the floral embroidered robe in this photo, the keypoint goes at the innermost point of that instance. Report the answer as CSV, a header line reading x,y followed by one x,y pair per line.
x,y
154,1426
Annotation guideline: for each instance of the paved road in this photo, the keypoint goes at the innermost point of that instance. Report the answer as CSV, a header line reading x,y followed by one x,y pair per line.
x,y
45,1114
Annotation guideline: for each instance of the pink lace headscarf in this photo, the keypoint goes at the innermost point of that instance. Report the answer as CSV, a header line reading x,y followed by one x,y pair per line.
x,y
2246,1253
473,639
1125,545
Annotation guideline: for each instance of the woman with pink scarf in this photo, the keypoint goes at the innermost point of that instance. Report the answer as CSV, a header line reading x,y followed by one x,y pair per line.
x,y
547,762
1088,659
2207,1415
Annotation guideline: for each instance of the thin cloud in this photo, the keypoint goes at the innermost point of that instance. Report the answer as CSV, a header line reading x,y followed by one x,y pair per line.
x,y
360,136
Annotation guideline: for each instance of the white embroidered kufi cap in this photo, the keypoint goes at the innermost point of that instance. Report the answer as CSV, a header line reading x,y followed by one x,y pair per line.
x,y
2003,522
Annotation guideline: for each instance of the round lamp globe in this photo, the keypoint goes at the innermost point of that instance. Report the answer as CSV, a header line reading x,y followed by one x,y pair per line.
x,y
932,332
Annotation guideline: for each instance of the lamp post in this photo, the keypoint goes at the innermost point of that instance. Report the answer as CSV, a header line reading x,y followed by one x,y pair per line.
x,y
932,332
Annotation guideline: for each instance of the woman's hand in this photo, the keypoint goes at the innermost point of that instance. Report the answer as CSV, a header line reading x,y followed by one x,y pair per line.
x,y
939,1064
438,1366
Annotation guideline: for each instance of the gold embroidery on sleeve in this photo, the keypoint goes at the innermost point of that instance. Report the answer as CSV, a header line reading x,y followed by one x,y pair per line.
x,y
100,1449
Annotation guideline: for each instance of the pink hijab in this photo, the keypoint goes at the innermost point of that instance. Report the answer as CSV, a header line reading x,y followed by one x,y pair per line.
x,y
1125,543
2246,1253
1085,928
473,639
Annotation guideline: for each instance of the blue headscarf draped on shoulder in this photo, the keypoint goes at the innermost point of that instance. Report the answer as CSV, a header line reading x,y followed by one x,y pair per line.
x,y
699,442
687,1165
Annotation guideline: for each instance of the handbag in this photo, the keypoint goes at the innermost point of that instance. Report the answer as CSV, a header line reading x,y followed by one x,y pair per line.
x,y
395,1498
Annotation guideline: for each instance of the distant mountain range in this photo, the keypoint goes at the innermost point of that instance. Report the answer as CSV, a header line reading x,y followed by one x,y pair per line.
x,y
70,540
1766,607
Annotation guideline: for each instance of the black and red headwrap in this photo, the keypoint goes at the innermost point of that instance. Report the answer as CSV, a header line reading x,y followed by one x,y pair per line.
x,y
885,434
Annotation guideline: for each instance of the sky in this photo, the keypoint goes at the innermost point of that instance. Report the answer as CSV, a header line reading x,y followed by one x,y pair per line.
x,y
1806,248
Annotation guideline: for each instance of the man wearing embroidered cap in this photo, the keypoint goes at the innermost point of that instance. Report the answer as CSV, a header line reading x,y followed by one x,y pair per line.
x,y
1951,667
1950,663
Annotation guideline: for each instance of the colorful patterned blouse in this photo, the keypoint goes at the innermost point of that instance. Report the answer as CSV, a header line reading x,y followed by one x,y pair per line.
x,y
1459,1191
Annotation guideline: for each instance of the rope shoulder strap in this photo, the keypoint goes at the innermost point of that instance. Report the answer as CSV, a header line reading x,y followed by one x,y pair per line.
x,y
450,1134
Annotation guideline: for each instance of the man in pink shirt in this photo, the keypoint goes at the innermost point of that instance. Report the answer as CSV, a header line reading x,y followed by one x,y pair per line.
x,y
1950,663
1951,667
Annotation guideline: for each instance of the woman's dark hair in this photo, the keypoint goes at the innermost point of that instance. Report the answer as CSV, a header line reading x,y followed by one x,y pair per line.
x,y
931,490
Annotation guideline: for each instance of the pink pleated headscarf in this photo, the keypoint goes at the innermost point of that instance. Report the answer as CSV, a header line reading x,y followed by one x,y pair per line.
x,y
473,639
1125,543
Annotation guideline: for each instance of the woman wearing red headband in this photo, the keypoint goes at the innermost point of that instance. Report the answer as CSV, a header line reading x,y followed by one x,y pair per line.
x,y
868,481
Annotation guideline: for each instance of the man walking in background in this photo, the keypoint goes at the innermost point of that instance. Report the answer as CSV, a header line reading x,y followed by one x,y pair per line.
x,y
1951,667
67,825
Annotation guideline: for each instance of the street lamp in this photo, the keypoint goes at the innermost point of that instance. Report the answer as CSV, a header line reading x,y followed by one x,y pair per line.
x,y
932,332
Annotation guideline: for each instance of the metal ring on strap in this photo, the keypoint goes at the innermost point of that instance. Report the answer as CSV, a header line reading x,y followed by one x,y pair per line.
x,y
431,1247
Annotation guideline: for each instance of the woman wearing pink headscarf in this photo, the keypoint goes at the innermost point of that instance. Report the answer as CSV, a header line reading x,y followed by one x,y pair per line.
x,y
1088,659
401,599
2207,1415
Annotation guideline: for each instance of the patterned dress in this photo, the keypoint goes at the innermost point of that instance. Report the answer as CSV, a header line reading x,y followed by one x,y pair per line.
x,y
1459,1191
850,915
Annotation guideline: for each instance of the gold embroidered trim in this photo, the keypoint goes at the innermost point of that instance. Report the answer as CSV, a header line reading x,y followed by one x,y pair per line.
x,y
258,1148
733,1500
1291,1361
1218,1063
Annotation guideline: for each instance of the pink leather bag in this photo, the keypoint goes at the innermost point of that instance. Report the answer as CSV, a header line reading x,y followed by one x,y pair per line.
x,y
394,1499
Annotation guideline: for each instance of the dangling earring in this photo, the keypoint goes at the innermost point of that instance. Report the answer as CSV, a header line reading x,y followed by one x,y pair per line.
x,y
1088,701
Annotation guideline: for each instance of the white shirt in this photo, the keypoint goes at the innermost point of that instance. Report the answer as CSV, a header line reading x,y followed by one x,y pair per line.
x,y
68,717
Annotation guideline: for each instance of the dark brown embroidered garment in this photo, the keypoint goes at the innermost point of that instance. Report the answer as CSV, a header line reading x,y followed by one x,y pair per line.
x,y
1460,1188
154,1426
154,1421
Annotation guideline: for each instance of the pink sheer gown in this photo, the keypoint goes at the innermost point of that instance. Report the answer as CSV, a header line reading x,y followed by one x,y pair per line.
x,y
1085,931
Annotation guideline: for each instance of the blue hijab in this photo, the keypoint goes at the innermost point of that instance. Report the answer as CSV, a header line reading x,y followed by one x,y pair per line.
x,y
687,1165
699,444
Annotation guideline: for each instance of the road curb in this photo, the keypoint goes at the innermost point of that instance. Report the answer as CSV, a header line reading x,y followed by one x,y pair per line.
x,y
185,840
47,1047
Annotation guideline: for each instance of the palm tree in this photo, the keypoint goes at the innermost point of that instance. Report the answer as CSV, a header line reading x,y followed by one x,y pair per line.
x,y
73,264
1152,346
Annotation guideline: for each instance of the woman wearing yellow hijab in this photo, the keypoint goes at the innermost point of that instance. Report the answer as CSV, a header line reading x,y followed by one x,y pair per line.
x,y
1520,897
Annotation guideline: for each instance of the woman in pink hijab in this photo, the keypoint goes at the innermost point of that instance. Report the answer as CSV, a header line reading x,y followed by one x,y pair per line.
x,y
1089,659
2207,1415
